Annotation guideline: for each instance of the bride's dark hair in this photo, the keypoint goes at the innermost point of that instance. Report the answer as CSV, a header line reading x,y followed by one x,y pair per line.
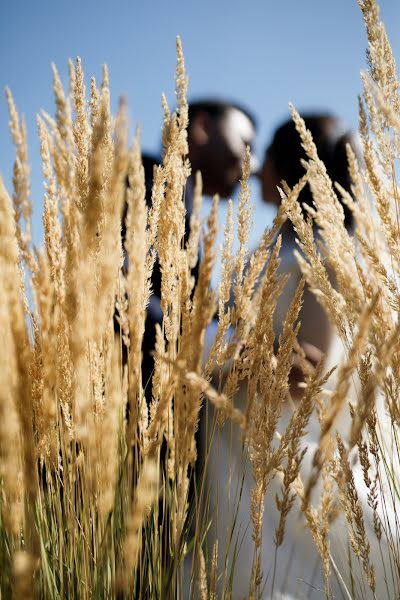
x,y
330,138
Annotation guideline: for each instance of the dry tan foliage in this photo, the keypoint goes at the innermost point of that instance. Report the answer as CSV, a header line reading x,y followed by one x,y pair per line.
x,y
99,488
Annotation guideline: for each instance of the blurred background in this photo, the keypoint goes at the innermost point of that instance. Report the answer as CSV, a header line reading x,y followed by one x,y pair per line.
x,y
262,54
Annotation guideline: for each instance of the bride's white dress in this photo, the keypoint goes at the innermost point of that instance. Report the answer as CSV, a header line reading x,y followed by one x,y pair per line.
x,y
298,567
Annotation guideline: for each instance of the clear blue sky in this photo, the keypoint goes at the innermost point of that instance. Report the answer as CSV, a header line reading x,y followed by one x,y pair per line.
x,y
263,53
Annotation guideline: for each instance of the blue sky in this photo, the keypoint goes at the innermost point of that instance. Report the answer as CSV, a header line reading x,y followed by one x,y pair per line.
x,y
263,53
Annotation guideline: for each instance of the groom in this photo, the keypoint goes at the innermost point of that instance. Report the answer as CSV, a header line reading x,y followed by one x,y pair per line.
x,y
218,134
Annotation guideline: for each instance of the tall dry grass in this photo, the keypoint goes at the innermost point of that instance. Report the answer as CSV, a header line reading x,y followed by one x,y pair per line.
x,y
100,493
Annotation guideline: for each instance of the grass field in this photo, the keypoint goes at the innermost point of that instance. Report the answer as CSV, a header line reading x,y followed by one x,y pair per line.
x,y
102,493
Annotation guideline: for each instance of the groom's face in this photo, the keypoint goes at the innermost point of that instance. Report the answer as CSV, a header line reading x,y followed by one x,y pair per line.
x,y
219,155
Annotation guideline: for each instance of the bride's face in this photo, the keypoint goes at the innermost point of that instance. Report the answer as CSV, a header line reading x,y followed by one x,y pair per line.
x,y
269,181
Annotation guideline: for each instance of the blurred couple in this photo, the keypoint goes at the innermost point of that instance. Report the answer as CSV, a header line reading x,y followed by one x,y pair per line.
x,y
218,135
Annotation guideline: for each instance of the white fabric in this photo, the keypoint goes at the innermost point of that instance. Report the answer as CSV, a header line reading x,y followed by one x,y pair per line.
x,y
299,572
